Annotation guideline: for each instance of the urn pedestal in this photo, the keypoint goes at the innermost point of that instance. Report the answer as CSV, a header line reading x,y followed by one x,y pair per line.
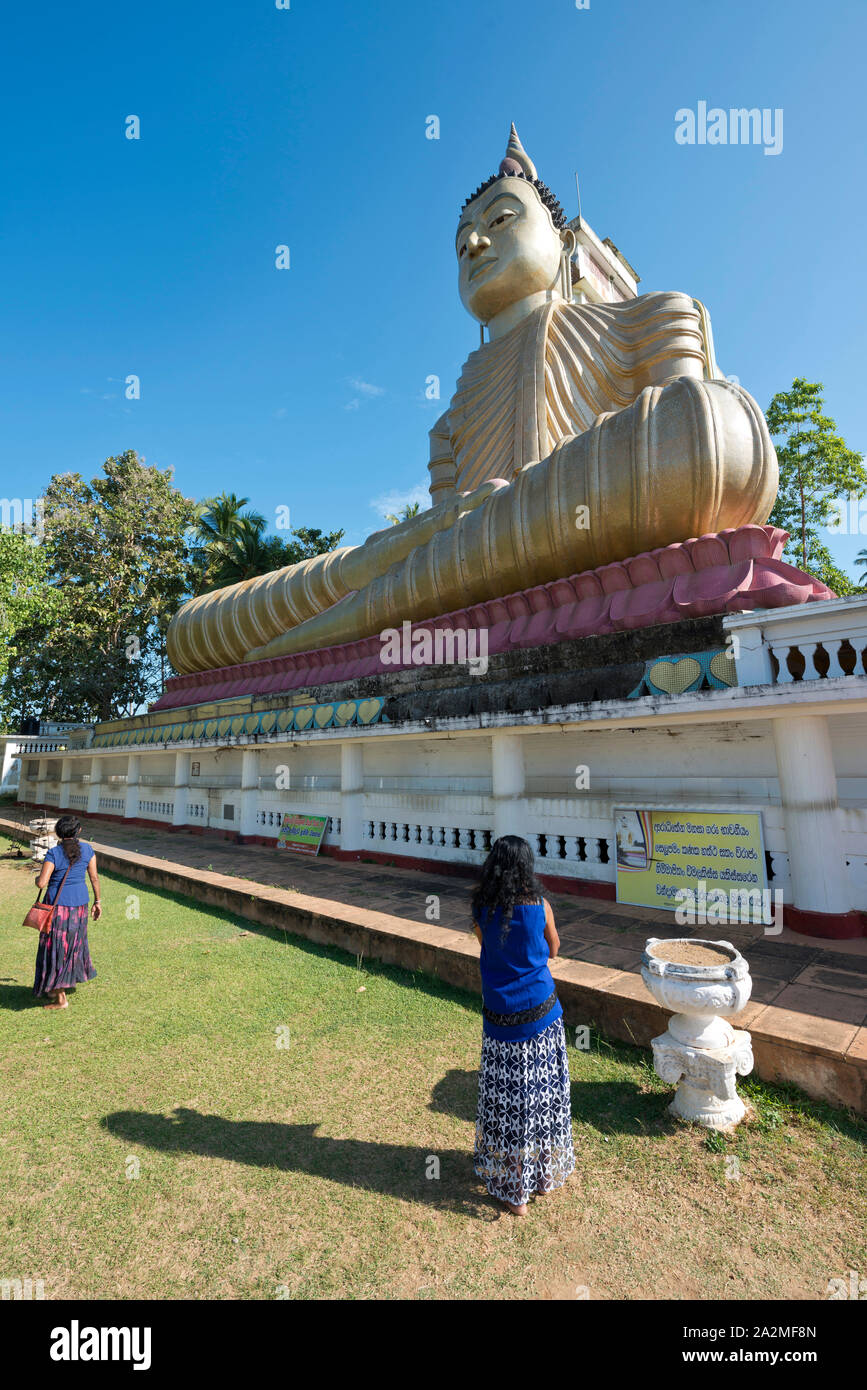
x,y
706,983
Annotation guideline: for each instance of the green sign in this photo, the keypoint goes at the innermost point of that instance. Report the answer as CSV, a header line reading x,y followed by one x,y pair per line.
x,y
302,833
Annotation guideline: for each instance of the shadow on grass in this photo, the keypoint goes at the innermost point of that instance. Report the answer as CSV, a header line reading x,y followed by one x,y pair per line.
x,y
611,1107
14,997
456,1094
621,1107
398,1170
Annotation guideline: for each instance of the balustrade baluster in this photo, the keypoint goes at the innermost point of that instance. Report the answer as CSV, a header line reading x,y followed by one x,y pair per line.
x,y
784,675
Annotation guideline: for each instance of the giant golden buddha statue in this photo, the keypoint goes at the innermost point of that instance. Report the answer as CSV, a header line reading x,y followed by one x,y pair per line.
x,y
579,434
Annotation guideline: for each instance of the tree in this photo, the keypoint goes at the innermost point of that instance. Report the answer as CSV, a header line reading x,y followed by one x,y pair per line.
x,y
411,509
116,552
817,468
310,541
231,544
26,597
219,522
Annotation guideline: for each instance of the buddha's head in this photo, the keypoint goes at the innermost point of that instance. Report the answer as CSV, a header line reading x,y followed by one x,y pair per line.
x,y
512,238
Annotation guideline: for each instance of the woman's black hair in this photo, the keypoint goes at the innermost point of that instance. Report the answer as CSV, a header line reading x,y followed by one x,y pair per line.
x,y
67,830
508,877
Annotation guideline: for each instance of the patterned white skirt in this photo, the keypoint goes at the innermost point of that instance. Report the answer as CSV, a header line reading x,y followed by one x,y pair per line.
x,y
524,1118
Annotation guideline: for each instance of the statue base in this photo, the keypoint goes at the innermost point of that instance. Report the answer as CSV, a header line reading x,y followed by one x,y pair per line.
x,y
706,1092
731,571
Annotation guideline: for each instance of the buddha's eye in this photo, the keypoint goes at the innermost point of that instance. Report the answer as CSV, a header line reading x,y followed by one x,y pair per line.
x,y
503,217
462,250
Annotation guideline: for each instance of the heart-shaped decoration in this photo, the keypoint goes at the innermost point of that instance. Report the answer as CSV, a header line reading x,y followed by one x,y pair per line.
x,y
238,724
323,715
284,720
187,731
223,727
368,710
251,723
268,721
303,716
344,713
211,729
674,676
722,665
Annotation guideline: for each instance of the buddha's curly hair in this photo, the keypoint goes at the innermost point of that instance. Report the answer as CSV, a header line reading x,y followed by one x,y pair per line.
x,y
558,216
508,877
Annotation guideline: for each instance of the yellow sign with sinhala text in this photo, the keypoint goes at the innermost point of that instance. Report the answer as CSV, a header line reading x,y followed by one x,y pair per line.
x,y
689,859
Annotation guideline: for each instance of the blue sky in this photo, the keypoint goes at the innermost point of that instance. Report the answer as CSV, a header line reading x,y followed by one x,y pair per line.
x,y
306,127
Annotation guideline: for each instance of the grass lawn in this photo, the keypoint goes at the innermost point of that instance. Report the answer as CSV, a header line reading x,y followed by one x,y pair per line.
x,y
160,1139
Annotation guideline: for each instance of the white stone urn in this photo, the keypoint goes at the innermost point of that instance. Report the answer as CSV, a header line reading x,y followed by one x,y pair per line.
x,y
705,983
42,837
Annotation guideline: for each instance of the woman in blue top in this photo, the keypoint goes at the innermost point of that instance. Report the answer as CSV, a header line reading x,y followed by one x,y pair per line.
x,y
524,1121
63,958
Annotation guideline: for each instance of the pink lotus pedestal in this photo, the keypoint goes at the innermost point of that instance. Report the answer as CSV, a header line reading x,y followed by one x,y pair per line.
x,y
740,568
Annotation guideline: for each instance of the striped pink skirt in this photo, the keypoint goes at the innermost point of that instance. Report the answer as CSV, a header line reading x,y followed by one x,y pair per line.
x,y
63,957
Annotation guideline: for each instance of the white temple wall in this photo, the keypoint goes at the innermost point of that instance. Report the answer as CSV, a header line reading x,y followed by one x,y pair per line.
x,y
446,798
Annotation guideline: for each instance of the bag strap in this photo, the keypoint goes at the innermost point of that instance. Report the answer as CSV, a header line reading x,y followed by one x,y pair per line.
x,y
47,886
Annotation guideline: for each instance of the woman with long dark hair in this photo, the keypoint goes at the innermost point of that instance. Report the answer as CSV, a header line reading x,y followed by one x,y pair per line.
x,y
63,958
524,1120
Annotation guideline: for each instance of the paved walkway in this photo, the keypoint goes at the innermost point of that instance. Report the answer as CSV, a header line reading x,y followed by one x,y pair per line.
x,y
798,974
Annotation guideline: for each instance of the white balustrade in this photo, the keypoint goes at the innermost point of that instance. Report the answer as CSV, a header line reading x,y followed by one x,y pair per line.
x,y
804,642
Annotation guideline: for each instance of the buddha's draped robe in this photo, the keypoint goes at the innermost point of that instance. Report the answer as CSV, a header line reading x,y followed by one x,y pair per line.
x,y
608,408
556,372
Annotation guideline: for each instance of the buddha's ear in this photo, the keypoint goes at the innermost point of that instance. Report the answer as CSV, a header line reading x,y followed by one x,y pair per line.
x,y
568,243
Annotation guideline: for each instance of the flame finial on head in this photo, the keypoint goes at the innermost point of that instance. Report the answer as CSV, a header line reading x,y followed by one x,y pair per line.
x,y
516,159
518,164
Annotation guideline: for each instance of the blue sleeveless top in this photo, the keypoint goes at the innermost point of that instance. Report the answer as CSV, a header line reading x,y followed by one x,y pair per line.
x,y
75,892
515,975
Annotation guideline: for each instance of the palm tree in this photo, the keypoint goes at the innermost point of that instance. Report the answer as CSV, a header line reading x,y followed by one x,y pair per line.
x,y
230,544
411,509
246,553
861,559
223,530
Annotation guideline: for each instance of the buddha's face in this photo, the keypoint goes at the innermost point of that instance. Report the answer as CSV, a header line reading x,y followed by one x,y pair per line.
x,y
507,247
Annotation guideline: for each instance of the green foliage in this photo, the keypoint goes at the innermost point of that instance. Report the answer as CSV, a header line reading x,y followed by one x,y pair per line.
x,y
411,509
816,469
231,544
116,557
26,596
84,611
